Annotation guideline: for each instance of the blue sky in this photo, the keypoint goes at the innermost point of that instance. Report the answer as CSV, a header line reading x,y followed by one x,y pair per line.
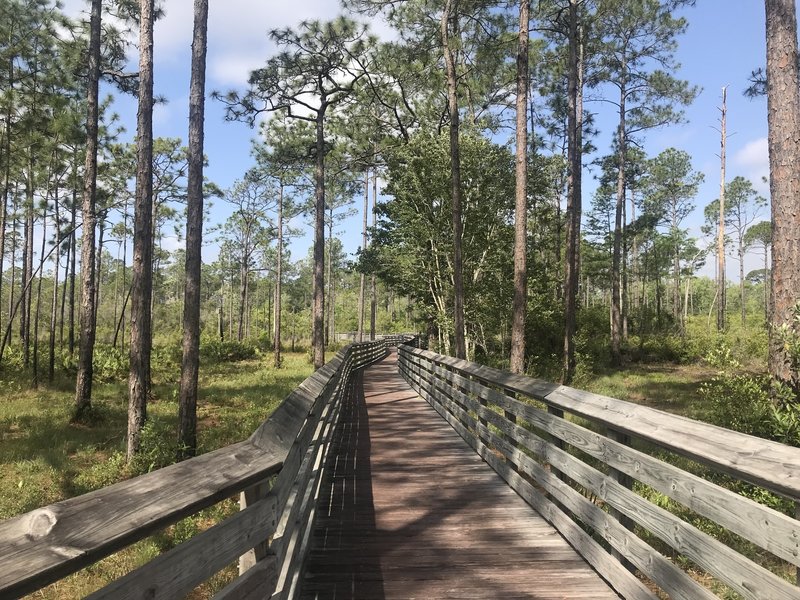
x,y
724,42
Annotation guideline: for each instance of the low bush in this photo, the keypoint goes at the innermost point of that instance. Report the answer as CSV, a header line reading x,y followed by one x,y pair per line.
x,y
217,351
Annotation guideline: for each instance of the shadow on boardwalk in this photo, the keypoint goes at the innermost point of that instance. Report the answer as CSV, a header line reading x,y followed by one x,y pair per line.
x,y
408,510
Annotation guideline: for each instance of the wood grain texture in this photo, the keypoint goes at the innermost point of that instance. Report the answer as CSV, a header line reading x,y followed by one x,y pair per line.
x,y
409,511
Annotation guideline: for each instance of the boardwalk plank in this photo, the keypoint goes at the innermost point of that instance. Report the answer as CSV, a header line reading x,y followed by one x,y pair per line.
x,y
408,510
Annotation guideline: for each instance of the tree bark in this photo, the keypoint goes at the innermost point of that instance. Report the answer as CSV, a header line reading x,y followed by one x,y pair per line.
x,y
51,362
83,382
449,17
278,282
190,362
142,272
73,248
362,281
318,291
373,307
783,117
521,197
616,296
27,267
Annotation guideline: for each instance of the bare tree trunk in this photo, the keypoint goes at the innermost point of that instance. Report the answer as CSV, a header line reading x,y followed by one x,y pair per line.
x,y
721,228
51,363
616,299
449,20
83,383
329,279
142,276
13,279
362,280
243,280
766,287
521,197
318,309
6,191
101,231
35,363
27,268
73,247
278,282
373,307
741,280
190,363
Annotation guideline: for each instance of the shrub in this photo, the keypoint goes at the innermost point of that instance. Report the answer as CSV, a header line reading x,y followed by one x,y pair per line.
x,y
109,363
157,447
217,351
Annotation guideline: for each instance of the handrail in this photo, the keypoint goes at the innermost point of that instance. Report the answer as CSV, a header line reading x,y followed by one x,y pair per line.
x,y
51,542
582,478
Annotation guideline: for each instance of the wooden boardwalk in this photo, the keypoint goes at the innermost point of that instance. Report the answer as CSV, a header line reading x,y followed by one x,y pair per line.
x,y
408,510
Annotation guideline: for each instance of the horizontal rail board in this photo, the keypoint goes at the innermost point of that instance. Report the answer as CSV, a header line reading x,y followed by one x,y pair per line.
x,y
773,531
49,543
762,462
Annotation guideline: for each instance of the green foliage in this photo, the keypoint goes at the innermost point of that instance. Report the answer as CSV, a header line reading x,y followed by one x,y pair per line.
x,y
737,400
158,447
218,351
109,363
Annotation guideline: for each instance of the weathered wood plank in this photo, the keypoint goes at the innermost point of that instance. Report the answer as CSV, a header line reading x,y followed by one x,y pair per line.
x,y
51,542
252,585
410,512
44,545
178,571
773,531
762,462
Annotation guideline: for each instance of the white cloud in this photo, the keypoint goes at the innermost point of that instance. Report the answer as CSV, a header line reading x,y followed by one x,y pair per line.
x,y
752,162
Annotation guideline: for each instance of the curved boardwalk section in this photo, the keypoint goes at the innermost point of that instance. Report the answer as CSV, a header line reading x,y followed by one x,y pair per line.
x,y
408,510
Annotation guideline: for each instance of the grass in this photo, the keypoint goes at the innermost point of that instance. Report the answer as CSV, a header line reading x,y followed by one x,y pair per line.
x,y
669,387
44,458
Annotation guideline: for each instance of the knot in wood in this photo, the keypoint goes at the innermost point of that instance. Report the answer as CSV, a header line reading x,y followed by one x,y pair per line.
x,y
40,523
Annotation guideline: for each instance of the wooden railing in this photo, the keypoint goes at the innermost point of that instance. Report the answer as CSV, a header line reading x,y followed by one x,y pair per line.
x,y
276,471
593,476
393,340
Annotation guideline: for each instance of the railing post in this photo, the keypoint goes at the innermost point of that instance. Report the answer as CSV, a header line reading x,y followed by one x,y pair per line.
x,y
247,498
626,481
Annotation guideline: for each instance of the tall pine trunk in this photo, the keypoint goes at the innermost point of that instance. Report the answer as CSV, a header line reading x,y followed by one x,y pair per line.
x,y
51,362
373,306
521,197
721,290
83,383
318,291
449,21
142,276
363,279
278,281
616,292
190,364
783,117
574,208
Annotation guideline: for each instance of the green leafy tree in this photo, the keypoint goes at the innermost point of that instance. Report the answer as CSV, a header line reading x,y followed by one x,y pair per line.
x,y
670,188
